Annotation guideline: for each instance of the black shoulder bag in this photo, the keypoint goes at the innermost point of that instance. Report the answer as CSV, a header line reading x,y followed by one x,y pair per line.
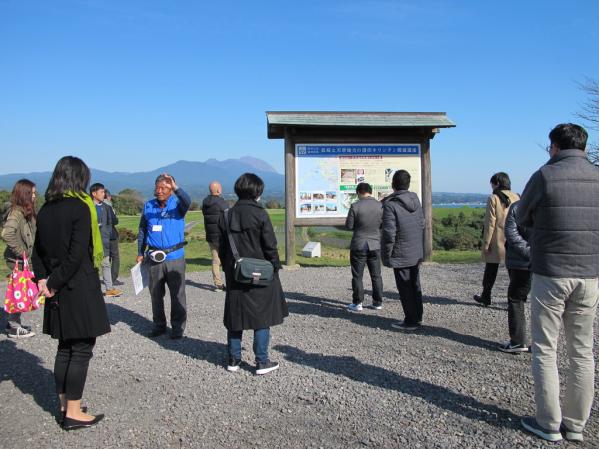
x,y
246,269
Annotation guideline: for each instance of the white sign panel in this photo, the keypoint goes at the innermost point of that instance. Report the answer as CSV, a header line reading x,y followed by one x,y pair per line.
x,y
327,174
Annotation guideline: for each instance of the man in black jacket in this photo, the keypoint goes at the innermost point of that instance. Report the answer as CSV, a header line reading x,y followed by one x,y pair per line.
x,y
212,207
402,247
561,205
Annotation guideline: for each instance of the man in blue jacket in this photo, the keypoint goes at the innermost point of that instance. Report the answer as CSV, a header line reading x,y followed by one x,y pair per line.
x,y
161,232
561,205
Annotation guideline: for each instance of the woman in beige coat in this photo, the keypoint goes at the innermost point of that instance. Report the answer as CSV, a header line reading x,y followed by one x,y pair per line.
x,y
19,233
493,250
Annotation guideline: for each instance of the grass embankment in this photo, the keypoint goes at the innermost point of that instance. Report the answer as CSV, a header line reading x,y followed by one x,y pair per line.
x,y
334,248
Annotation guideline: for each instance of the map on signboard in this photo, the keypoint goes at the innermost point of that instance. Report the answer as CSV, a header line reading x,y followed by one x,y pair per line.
x,y
327,175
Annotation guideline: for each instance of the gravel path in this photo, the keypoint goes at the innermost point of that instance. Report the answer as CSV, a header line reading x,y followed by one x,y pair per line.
x,y
346,380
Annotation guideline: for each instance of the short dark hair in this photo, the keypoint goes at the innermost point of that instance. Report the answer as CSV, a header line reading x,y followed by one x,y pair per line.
x,y
569,136
401,180
161,178
363,188
70,175
249,186
502,180
95,187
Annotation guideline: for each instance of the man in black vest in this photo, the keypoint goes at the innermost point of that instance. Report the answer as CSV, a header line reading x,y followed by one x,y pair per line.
x,y
212,207
561,204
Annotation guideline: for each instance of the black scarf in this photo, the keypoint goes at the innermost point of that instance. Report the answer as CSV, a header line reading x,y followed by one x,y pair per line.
x,y
503,198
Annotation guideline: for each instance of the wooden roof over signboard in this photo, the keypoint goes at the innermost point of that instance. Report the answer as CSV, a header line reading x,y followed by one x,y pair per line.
x,y
277,121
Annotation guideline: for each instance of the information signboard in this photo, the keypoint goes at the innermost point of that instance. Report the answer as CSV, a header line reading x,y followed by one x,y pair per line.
x,y
327,174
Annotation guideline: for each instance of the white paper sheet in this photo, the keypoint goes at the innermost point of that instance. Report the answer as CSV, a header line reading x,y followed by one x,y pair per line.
x,y
140,275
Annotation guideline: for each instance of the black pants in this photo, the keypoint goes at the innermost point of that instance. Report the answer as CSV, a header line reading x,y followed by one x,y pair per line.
x,y
357,260
410,292
517,293
489,280
169,273
70,366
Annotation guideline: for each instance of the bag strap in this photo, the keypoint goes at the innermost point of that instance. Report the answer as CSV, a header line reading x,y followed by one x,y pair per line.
x,y
231,242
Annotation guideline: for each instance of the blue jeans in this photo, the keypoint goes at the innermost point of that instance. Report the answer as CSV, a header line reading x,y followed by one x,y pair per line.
x,y
261,341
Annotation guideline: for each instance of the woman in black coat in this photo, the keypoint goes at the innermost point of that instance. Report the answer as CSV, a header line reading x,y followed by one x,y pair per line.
x,y
517,261
66,255
248,306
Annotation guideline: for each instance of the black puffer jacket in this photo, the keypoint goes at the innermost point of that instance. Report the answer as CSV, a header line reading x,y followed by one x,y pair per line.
x,y
212,208
403,230
517,249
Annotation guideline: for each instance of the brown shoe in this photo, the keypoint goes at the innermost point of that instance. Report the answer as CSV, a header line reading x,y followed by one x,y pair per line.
x,y
113,293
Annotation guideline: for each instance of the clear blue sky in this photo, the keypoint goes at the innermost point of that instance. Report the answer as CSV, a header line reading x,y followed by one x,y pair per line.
x,y
134,85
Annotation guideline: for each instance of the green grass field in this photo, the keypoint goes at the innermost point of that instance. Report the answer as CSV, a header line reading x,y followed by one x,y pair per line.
x,y
198,254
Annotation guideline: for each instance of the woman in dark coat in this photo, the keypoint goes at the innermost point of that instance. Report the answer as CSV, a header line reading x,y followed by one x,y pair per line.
x,y
247,306
517,261
66,255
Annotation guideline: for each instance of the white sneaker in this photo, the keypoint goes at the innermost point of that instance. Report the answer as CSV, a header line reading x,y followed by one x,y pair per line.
x,y
19,332
354,307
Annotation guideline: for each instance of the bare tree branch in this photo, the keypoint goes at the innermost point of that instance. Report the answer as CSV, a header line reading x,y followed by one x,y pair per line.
x,y
590,114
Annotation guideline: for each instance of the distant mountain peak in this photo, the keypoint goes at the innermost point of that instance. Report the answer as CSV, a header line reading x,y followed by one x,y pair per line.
x,y
259,164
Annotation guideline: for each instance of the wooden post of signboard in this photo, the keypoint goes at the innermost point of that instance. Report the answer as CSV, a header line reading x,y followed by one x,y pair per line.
x,y
427,198
289,199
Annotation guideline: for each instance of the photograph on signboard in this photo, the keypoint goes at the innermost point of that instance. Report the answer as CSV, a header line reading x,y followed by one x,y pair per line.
x,y
319,208
349,198
305,196
331,195
305,208
348,175
389,172
360,175
318,196
331,207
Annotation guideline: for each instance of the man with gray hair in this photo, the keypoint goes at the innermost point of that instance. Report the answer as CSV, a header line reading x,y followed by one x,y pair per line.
x,y
561,204
212,208
161,232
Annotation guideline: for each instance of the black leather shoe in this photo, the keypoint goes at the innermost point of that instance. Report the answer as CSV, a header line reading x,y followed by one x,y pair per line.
x,y
479,299
63,414
156,333
74,424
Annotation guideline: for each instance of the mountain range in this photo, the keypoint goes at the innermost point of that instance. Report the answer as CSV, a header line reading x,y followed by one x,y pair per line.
x,y
194,177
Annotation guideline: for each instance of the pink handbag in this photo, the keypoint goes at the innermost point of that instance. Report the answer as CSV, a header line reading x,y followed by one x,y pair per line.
x,y
22,294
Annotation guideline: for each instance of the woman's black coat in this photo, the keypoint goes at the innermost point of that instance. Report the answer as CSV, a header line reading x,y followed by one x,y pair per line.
x,y
246,306
62,253
517,249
